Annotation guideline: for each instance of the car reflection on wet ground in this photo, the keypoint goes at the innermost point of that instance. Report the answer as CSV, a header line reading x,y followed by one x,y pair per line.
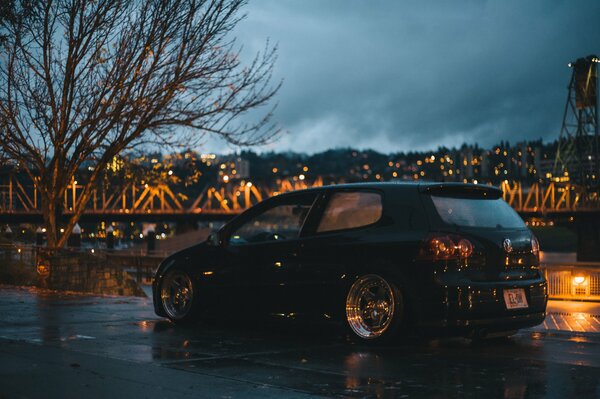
x,y
86,345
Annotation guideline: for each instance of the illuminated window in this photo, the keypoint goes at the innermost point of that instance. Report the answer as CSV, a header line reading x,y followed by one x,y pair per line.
x,y
348,210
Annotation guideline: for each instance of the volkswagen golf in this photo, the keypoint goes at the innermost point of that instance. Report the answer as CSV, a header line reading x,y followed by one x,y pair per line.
x,y
377,257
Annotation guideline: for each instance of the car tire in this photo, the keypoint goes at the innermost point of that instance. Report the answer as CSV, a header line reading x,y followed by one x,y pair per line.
x,y
374,308
178,296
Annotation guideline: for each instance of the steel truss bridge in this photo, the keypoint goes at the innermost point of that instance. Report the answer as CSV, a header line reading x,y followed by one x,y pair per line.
x,y
552,199
19,202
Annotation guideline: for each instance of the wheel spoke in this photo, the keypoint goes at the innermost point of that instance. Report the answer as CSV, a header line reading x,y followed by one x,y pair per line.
x,y
381,292
367,294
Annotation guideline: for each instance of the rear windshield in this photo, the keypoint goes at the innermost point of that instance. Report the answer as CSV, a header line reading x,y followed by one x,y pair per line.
x,y
469,212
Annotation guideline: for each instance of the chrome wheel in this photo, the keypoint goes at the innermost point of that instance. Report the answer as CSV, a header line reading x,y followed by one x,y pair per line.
x,y
177,294
370,306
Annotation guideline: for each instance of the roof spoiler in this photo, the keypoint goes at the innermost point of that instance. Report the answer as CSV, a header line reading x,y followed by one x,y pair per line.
x,y
460,190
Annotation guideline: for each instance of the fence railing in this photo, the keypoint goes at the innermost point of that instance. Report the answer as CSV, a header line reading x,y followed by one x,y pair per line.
x,y
579,281
110,272
29,254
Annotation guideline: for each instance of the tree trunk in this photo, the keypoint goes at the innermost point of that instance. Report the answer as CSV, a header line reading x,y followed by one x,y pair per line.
x,y
51,221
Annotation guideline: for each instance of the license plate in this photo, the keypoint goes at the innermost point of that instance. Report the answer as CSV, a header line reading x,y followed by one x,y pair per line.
x,y
515,298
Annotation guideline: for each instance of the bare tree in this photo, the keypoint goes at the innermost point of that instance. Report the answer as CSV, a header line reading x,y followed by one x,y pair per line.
x,y
82,80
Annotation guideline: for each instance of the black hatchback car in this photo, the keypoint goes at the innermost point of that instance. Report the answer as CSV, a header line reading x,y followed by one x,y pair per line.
x,y
377,256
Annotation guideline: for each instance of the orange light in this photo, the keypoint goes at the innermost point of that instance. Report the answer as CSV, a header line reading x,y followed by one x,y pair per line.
x,y
43,270
579,280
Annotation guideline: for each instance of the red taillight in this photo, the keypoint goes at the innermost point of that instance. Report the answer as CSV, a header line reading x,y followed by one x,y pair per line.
x,y
446,246
465,248
442,247
535,246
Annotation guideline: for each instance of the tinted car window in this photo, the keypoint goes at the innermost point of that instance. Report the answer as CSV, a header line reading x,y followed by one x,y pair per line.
x,y
347,210
280,222
469,212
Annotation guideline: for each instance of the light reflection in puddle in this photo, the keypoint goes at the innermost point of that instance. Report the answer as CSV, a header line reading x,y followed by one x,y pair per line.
x,y
578,339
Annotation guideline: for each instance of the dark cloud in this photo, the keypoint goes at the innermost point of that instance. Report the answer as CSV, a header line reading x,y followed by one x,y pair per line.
x,y
400,76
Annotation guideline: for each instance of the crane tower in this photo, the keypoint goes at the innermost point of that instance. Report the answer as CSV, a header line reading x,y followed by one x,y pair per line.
x,y
578,154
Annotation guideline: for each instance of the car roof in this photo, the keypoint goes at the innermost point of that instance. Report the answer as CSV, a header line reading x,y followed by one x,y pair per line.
x,y
399,185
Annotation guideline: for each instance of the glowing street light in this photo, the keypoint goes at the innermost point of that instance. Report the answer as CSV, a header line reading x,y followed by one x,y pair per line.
x,y
579,280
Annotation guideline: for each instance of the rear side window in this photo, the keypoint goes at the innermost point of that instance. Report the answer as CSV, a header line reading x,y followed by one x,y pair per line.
x,y
348,210
470,212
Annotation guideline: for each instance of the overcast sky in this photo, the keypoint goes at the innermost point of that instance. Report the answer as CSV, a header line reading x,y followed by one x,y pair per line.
x,y
414,75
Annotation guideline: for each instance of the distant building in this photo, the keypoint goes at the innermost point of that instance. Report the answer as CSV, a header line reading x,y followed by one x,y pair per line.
x,y
232,167
466,163
485,165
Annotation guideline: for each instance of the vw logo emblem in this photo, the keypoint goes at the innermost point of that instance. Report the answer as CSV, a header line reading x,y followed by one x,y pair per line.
x,y
507,245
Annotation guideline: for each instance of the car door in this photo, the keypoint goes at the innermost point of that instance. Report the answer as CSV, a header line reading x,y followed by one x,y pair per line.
x,y
260,249
332,242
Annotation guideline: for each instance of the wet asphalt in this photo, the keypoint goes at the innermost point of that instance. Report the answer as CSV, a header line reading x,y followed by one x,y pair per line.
x,y
57,345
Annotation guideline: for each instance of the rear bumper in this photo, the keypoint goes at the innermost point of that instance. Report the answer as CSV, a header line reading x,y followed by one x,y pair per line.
x,y
504,323
482,305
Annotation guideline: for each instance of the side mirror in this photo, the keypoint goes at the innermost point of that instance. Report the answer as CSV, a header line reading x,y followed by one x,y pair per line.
x,y
213,239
